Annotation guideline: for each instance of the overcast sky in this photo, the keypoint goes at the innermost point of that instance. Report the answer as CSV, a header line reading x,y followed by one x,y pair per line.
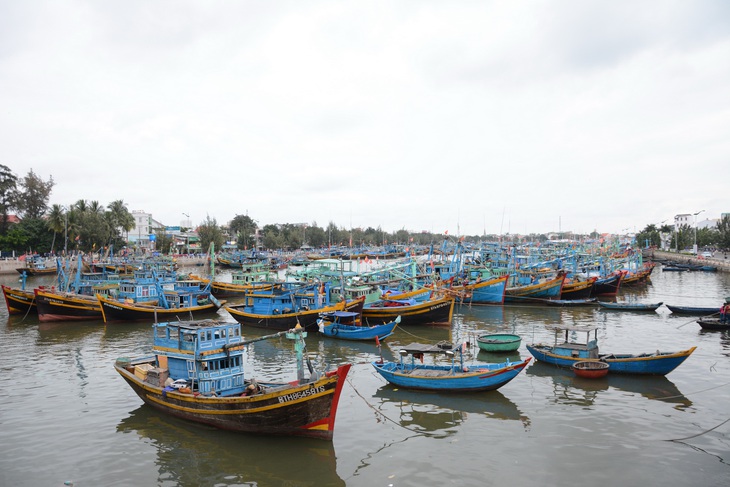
x,y
466,116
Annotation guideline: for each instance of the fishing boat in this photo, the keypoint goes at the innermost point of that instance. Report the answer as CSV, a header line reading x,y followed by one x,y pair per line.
x,y
53,305
609,285
487,291
624,306
347,325
185,301
196,373
452,377
435,311
38,266
640,276
499,342
591,369
570,351
713,324
577,288
19,300
693,310
288,305
538,292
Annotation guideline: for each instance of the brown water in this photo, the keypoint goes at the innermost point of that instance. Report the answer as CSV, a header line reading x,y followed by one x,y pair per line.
x,y
67,416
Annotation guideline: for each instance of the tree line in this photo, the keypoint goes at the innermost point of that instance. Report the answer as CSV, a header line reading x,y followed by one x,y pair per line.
x,y
89,226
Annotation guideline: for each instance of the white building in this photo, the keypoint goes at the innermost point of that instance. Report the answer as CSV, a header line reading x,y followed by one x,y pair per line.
x,y
143,233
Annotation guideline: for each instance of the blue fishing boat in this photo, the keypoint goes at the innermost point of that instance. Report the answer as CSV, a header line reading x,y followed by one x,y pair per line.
x,y
537,292
347,325
196,373
452,377
568,352
289,304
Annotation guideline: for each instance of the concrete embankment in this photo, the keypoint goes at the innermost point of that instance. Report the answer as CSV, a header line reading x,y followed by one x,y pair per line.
x,y
720,260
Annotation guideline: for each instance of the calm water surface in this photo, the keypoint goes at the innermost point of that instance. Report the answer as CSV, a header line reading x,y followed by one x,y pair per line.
x,y
67,416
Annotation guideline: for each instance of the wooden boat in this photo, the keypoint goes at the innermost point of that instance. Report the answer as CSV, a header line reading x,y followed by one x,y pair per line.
x,y
713,324
499,342
282,309
608,286
454,377
438,311
580,289
185,301
539,292
568,352
488,291
670,268
693,310
572,302
630,306
66,306
19,301
638,277
206,357
347,325
591,369
38,266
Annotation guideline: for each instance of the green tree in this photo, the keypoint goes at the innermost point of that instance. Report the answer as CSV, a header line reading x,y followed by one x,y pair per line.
x,y
208,232
243,228
8,196
36,192
723,228
120,220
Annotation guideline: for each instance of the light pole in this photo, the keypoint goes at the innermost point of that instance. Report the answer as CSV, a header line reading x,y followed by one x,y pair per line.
x,y
694,247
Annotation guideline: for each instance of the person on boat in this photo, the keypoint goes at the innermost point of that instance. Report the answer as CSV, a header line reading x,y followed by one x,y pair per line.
x,y
725,312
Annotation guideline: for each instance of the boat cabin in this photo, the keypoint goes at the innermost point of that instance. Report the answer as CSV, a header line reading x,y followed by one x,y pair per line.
x,y
572,345
207,353
342,318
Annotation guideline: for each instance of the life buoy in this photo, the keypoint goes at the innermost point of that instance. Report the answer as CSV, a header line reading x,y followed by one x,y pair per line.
x,y
334,330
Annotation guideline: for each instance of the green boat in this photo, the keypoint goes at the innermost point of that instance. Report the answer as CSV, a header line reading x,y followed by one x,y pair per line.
x,y
499,342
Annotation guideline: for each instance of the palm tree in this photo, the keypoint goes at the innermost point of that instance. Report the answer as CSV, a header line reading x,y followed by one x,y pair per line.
x,y
56,221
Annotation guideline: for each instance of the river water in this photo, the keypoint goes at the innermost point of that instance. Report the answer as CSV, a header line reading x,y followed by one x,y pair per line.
x,y
66,416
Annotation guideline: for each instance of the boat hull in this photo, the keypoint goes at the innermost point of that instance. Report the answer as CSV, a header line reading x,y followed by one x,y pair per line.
x,y
630,306
713,324
578,290
649,364
307,409
286,321
113,310
474,378
693,310
66,307
362,333
437,311
539,293
19,301
608,286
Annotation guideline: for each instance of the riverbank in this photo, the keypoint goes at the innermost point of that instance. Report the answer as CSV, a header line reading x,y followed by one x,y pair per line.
x,y
720,260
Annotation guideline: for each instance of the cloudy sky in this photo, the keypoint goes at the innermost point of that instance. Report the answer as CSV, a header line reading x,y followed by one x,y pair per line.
x,y
466,116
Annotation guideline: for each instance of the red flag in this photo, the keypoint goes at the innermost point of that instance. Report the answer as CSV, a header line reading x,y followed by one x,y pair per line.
x,y
377,340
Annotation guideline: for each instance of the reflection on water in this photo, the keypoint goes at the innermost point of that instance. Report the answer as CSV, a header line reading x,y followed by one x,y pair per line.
x,y
581,391
191,454
434,412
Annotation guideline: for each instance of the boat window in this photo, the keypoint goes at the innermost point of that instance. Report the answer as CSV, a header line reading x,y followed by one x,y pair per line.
x,y
209,335
174,332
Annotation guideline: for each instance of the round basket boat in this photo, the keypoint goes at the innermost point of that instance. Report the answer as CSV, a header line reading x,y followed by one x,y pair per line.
x,y
499,342
590,369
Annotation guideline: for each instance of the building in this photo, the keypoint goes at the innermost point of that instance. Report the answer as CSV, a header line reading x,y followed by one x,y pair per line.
x,y
143,234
